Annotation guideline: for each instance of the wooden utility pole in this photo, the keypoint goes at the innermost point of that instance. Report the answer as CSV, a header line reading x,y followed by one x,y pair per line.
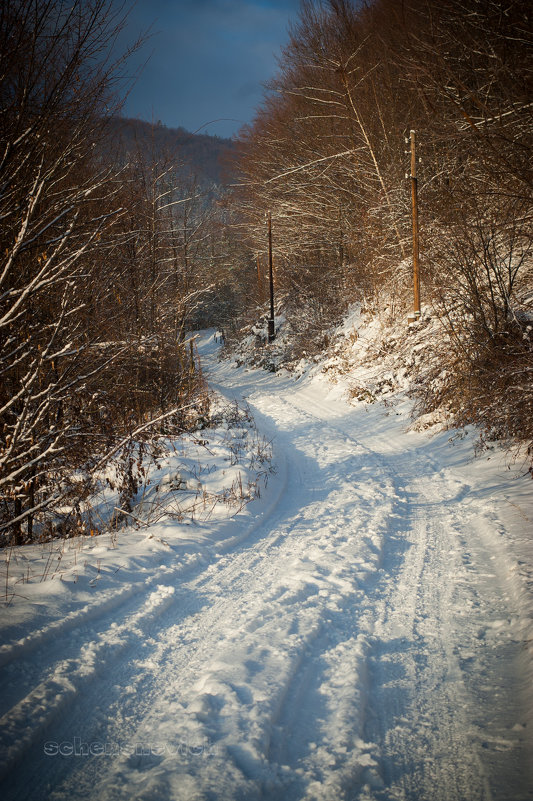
x,y
271,322
414,203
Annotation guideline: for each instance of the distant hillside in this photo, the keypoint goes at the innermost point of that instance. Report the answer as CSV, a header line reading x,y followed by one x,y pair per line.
x,y
202,153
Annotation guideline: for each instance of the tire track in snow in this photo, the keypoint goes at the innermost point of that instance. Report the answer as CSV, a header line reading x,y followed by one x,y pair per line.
x,y
431,747
425,714
53,685
31,716
60,689
227,673
419,718
317,690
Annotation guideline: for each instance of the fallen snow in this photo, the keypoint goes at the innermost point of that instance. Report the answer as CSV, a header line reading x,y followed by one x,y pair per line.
x,y
362,630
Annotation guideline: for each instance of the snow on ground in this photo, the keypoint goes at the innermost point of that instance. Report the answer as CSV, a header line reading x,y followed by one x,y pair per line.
x,y
360,631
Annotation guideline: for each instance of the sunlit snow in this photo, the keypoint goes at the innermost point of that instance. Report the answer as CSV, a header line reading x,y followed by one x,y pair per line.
x,y
361,630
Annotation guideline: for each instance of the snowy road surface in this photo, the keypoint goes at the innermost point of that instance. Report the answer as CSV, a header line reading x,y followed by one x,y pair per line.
x,y
369,638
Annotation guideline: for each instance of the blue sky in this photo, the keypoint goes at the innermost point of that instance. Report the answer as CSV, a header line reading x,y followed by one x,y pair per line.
x,y
208,59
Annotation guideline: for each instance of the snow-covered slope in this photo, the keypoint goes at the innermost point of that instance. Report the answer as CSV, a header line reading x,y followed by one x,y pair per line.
x,y
360,631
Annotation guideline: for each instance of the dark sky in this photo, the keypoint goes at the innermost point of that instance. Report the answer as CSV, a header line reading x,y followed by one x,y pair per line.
x,y
208,59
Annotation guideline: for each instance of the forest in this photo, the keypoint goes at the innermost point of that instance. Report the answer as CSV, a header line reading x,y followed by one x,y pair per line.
x,y
109,261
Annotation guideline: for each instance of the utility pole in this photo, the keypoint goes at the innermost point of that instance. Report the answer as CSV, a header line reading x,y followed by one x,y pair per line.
x,y
414,203
271,322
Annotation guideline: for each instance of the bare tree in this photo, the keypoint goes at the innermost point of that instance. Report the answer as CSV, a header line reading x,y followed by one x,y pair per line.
x,y
57,209
325,155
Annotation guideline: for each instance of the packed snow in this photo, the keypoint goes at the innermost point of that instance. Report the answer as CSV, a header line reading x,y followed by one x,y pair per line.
x,y
359,628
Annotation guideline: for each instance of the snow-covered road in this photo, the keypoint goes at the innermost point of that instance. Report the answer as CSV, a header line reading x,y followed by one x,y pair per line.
x,y
369,638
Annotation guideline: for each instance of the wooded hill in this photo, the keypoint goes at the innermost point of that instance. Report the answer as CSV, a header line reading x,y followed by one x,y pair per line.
x,y
200,154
